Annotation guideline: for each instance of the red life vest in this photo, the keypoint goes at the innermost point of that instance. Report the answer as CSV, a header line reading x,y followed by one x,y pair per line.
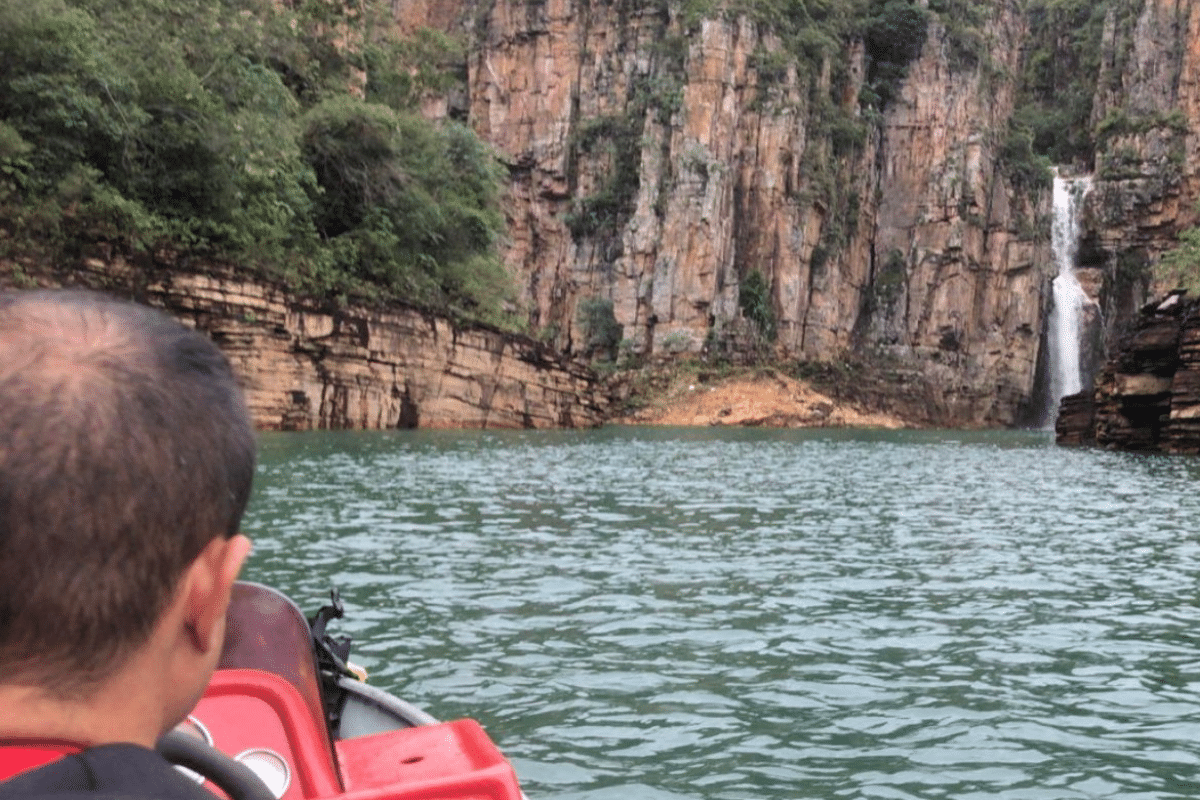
x,y
22,755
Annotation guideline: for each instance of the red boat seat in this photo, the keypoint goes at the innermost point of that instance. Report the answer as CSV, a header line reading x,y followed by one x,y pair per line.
x,y
250,709
448,761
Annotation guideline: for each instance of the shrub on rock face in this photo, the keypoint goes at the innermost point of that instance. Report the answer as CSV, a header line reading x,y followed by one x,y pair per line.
x,y
1180,268
754,299
14,161
894,36
354,149
58,88
601,331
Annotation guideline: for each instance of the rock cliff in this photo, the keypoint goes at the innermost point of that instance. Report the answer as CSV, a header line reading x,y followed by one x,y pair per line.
x,y
1147,168
1147,116
306,367
728,191
1147,397
657,159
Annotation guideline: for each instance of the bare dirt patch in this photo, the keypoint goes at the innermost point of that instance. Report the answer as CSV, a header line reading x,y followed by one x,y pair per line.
x,y
762,397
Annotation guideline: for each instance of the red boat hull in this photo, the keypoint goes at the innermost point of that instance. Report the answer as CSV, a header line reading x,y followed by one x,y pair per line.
x,y
247,710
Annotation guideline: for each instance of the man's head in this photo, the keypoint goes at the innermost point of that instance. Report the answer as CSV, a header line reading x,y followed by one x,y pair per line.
x,y
125,452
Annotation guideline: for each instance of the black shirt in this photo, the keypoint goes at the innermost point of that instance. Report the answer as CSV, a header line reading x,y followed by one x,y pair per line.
x,y
112,771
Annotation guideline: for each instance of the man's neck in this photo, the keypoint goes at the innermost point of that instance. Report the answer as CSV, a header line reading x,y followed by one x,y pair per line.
x,y
119,711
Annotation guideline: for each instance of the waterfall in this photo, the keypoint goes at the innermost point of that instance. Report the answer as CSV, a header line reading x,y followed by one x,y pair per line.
x,y
1065,327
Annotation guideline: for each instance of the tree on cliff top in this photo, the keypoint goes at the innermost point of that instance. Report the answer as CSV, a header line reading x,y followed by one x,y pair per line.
x,y
407,206
226,127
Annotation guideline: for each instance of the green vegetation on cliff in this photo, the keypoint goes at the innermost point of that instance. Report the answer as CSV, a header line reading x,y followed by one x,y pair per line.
x,y
286,138
817,33
1180,268
1075,46
231,129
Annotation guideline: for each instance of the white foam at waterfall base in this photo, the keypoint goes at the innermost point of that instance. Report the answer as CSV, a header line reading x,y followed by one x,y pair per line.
x,y
1065,326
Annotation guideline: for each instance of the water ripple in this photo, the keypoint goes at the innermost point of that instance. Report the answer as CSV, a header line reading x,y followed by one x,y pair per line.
x,y
764,614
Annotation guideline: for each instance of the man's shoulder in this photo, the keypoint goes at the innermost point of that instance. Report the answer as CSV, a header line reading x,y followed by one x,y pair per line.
x,y
109,771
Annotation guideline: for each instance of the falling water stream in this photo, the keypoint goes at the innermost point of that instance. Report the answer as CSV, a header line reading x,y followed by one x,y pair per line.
x,y
1065,328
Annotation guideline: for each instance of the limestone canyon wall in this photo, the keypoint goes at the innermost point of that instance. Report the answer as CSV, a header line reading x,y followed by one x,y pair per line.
x,y
907,242
656,160
305,367
961,256
1147,110
1147,168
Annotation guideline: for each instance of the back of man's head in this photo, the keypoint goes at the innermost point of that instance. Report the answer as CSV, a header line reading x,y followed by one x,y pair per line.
x,y
125,448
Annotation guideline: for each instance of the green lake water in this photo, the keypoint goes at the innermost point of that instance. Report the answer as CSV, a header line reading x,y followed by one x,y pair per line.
x,y
711,613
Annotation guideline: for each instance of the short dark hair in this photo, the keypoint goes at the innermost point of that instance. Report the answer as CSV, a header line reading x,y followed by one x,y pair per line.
x,y
125,448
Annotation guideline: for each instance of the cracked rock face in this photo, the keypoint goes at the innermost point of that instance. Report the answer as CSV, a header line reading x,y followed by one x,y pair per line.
x,y
1147,397
656,166
305,368
656,162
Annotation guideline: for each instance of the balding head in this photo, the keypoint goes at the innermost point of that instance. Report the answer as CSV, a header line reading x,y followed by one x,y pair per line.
x,y
125,447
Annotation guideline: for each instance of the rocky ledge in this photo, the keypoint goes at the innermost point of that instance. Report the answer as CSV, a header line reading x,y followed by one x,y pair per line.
x,y
305,366
1147,397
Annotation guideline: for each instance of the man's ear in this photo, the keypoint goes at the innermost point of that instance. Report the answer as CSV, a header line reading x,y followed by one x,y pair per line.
x,y
209,585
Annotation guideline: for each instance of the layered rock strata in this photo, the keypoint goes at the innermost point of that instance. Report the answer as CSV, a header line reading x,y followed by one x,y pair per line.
x,y
1147,397
305,367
